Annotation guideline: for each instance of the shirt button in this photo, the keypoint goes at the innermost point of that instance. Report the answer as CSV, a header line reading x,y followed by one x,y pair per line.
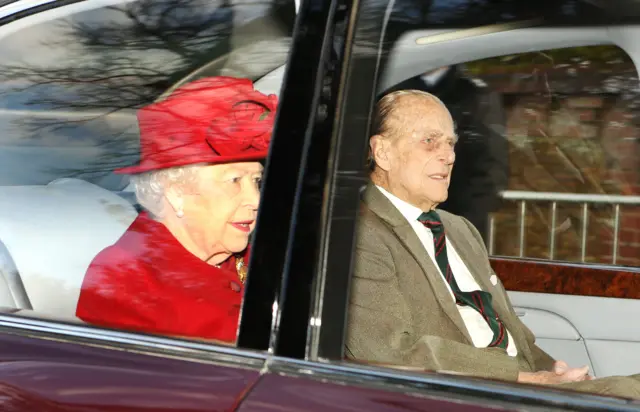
x,y
234,286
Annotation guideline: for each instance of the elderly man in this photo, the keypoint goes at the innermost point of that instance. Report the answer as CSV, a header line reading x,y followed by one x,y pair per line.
x,y
423,292
482,169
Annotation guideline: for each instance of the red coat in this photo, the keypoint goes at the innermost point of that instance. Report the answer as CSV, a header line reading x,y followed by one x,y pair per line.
x,y
148,282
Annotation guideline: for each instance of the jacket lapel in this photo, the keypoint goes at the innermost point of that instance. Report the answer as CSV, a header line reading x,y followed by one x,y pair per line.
x,y
500,305
381,206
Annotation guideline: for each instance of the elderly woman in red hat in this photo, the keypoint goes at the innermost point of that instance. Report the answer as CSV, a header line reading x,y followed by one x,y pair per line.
x,y
180,267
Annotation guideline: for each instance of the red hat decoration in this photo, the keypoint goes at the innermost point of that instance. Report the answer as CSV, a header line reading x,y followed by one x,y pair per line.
x,y
211,120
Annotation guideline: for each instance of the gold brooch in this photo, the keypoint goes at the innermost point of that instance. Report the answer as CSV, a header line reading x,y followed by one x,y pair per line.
x,y
241,268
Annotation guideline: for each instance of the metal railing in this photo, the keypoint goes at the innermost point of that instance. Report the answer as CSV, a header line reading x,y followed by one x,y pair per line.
x,y
524,197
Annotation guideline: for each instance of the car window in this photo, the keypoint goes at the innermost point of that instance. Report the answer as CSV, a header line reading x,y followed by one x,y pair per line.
x,y
402,46
87,90
72,80
554,174
571,122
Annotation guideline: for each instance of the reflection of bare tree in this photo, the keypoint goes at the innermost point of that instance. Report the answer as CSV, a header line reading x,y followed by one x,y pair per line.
x,y
126,55
572,123
120,58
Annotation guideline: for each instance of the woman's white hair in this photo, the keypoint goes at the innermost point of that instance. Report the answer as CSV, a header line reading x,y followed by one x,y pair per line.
x,y
150,187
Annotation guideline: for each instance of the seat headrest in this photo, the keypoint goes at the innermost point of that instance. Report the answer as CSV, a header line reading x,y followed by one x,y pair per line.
x,y
54,231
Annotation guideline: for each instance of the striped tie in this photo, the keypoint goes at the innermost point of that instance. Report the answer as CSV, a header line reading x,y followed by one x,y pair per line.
x,y
477,299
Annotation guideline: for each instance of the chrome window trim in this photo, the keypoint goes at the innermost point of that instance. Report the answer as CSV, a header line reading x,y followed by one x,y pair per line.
x,y
166,347
463,389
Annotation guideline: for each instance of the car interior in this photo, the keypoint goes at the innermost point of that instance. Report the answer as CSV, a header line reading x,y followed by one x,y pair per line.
x,y
71,203
67,221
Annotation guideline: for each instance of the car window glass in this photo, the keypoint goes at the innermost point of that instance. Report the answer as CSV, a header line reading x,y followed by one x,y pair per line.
x,y
73,82
571,122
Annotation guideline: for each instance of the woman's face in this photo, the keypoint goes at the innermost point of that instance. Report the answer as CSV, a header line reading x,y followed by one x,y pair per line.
x,y
221,205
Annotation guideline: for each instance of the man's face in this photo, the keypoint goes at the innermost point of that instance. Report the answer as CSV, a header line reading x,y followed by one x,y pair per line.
x,y
419,151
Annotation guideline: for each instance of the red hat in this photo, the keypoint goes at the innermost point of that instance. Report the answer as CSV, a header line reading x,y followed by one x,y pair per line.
x,y
211,120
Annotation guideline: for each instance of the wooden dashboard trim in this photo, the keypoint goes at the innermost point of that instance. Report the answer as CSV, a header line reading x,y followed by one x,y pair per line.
x,y
524,275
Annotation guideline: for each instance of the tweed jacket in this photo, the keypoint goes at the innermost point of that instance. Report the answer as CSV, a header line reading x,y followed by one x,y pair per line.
x,y
401,311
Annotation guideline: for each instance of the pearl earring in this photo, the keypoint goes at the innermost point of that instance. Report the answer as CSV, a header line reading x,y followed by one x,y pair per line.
x,y
180,213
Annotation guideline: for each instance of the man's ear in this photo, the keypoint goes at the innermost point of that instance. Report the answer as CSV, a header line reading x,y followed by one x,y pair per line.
x,y
379,147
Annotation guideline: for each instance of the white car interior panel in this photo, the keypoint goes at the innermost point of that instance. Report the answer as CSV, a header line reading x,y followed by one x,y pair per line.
x,y
626,37
272,82
593,317
556,335
53,232
607,326
545,324
611,357
409,59
574,352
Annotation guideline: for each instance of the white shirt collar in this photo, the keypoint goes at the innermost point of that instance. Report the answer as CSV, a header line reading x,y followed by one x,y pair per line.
x,y
409,211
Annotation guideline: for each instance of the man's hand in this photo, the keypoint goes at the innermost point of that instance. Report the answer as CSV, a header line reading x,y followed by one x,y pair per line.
x,y
575,374
561,373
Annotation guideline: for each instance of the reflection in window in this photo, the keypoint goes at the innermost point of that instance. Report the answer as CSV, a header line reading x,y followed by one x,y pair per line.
x,y
573,127
73,80
70,83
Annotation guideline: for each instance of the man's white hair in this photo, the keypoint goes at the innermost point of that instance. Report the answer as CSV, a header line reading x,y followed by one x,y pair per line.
x,y
386,105
384,110
150,187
